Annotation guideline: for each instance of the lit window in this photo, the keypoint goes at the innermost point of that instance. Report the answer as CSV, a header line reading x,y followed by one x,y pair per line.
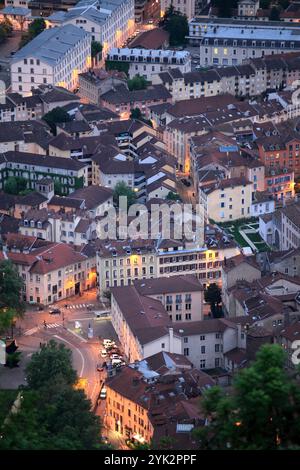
x,y
225,51
216,50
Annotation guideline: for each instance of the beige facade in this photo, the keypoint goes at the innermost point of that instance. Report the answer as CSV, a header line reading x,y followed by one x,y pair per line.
x,y
227,202
186,7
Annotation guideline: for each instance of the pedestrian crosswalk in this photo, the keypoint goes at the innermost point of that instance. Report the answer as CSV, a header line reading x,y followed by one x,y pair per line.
x,y
37,328
79,306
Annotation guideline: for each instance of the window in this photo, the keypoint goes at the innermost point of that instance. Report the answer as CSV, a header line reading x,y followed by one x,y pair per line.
x,y
162,345
202,364
202,338
217,348
185,339
202,349
217,362
186,351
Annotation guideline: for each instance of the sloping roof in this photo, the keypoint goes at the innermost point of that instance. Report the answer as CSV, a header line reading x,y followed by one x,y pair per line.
x,y
168,285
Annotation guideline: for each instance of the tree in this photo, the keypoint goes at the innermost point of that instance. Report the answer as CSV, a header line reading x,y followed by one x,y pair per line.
x,y
51,364
212,295
177,26
137,83
274,14
36,27
96,48
54,417
15,185
58,188
117,65
136,113
11,285
262,412
55,116
171,196
5,30
121,189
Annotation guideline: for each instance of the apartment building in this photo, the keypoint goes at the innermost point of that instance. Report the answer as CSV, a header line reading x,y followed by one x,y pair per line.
x,y
247,79
94,83
228,199
286,262
156,398
53,271
146,63
55,57
186,7
122,101
120,263
239,268
68,173
182,296
24,136
206,342
142,324
109,22
279,182
232,42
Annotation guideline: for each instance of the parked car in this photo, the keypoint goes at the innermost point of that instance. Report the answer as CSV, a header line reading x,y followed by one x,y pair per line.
x,y
103,393
54,311
117,363
108,342
186,182
115,356
103,353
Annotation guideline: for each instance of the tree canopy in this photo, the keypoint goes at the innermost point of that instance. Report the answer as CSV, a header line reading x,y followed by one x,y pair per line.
x,y
261,413
53,414
52,362
5,30
177,26
55,116
213,296
96,48
15,185
122,189
137,83
11,304
35,27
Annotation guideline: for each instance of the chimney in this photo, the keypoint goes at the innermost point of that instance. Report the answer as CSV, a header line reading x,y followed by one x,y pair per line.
x,y
171,340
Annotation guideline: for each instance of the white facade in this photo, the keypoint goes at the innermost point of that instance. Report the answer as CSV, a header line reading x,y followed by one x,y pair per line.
x,y
231,42
55,57
109,22
263,207
150,62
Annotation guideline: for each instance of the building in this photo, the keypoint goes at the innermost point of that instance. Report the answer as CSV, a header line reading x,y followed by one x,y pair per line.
x,y
109,22
52,271
47,7
94,83
68,173
232,42
262,203
228,199
142,324
156,398
122,101
182,296
286,262
238,268
54,57
156,38
185,8
279,182
146,63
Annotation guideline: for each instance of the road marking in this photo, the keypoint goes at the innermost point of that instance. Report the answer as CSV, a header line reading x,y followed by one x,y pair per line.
x,y
53,325
81,319
83,340
31,332
78,350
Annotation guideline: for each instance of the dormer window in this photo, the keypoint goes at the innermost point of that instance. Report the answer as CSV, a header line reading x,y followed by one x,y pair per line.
x,y
26,223
32,223
39,224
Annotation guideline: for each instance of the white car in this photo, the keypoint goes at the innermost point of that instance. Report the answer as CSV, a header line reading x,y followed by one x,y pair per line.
x,y
115,356
103,353
103,393
117,362
108,342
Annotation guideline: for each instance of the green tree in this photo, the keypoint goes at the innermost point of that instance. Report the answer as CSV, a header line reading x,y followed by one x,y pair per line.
x,y
54,417
55,116
213,296
177,26
137,83
58,188
122,189
52,363
11,285
96,48
262,412
15,185
34,29
274,14
5,30
136,113
171,196
116,65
